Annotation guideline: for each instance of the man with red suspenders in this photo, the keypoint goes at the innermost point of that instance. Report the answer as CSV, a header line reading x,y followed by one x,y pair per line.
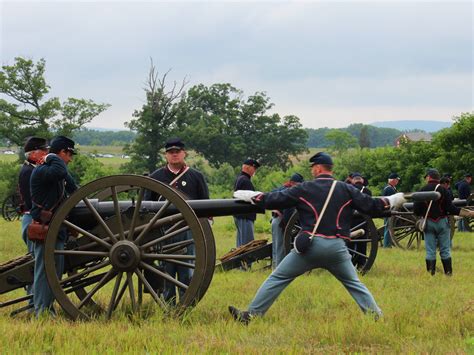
x,y
192,184
322,234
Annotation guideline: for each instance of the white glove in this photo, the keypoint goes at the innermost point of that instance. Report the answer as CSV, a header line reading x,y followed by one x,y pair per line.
x,y
246,195
396,200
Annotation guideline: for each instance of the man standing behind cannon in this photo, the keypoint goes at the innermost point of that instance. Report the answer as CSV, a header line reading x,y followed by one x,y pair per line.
x,y
389,190
192,184
320,243
35,149
464,190
437,229
360,247
245,222
280,219
50,184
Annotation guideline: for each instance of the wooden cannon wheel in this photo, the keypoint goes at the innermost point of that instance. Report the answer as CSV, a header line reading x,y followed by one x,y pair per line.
x,y
115,254
371,238
405,229
11,207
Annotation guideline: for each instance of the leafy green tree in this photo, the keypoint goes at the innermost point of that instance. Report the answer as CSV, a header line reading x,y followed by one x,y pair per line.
x,y
364,139
154,123
341,140
30,112
218,122
456,147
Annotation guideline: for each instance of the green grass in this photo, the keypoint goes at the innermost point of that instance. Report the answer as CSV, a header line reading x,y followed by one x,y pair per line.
x,y
315,314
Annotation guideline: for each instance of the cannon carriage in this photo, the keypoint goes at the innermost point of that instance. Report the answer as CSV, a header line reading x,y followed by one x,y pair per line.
x,y
120,244
405,228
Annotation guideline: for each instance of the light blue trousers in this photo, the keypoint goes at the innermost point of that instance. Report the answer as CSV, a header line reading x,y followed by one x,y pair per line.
x,y
387,241
244,231
329,254
462,225
25,221
278,243
438,233
43,296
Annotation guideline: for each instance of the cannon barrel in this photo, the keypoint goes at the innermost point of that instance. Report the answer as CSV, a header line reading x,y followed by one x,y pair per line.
x,y
81,215
457,203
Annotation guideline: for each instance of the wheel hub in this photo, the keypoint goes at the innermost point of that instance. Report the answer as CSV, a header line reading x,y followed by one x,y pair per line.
x,y
125,255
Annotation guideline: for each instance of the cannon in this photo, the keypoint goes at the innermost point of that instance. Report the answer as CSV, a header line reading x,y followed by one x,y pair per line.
x,y
405,227
11,209
117,241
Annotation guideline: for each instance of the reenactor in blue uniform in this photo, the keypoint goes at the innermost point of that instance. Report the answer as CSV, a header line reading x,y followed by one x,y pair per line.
x,y
437,229
50,184
464,190
35,149
360,247
446,182
389,190
190,183
326,247
280,219
245,222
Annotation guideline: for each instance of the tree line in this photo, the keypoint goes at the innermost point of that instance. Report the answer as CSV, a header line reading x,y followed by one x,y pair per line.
x,y
223,126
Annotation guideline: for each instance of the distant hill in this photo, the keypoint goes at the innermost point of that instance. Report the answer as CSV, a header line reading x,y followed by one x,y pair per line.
x,y
409,125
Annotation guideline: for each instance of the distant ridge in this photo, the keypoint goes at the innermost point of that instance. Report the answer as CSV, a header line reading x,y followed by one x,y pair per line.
x,y
428,126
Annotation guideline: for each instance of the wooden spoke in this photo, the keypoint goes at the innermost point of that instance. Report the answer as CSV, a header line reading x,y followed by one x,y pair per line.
x,y
181,263
81,252
356,252
85,272
87,234
107,277
358,226
171,248
136,210
120,295
99,219
168,256
117,213
131,291
112,302
174,226
150,289
163,275
155,218
163,238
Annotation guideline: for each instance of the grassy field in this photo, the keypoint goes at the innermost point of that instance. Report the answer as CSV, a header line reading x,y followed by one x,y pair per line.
x,y
422,314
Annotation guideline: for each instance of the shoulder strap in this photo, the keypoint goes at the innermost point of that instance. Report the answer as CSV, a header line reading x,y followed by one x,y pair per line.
x,y
176,179
179,176
428,210
331,190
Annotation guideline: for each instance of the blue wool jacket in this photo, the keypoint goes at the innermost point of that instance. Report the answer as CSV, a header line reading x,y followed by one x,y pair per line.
x,y
309,197
50,182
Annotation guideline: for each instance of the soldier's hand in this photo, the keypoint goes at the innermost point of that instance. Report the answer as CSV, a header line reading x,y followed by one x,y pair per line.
x,y
246,195
396,200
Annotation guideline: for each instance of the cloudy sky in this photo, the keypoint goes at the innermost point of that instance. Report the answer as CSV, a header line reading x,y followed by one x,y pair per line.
x,y
330,63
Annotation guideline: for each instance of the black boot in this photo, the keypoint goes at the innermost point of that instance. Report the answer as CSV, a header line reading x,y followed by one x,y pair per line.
x,y
240,316
447,266
431,266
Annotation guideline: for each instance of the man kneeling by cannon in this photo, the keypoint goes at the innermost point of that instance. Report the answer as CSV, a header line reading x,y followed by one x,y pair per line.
x,y
325,207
